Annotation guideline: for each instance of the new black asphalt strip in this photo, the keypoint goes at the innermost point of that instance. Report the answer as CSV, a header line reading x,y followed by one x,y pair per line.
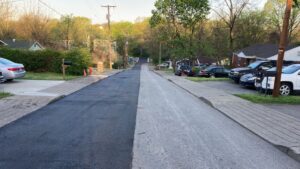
x,y
90,129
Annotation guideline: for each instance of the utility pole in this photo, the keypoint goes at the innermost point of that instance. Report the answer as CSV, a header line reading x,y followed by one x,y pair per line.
x,y
160,54
282,46
126,54
109,29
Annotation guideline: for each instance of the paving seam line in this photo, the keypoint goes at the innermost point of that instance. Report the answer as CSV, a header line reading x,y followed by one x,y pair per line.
x,y
288,150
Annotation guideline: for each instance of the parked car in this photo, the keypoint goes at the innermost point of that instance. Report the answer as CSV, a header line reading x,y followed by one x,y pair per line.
x,y
165,65
11,70
262,74
214,71
248,80
1,77
237,73
184,70
290,81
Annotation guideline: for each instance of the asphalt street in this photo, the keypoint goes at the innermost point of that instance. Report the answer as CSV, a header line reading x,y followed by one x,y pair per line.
x,y
175,130
135,119
90,129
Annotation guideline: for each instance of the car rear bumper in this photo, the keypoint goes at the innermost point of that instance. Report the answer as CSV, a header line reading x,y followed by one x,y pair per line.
x,y
14,75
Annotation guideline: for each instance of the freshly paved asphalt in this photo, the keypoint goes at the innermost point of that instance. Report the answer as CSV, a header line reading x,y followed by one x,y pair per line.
x,y
90,129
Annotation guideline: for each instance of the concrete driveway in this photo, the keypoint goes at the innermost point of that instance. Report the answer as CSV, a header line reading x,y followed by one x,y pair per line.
x,y
232,88
28,87
229,87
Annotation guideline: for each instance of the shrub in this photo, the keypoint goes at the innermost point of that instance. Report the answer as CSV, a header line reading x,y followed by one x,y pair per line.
x,y
49,60
118,64
81,59
39,61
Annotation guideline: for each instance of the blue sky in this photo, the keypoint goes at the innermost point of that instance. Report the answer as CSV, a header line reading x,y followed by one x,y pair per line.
x,y
127,10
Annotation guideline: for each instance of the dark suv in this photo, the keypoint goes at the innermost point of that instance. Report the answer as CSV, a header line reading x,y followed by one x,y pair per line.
x,y
237,73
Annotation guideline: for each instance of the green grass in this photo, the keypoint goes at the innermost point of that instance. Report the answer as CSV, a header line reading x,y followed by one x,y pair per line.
x,y
262,99
168,71
203,79
3,95
47,76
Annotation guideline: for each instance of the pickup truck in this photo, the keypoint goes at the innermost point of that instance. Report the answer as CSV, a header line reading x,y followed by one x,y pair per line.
x,y
290,81
237,73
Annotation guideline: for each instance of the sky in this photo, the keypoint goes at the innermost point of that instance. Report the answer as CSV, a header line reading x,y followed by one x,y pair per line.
x,y
126,10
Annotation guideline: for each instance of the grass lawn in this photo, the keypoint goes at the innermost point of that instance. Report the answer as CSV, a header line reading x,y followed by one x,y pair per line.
x,y
203,79
47,76
262,99
168,71
3,95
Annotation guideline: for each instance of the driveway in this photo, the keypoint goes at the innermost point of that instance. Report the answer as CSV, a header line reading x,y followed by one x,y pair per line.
x,y
232,88
28,87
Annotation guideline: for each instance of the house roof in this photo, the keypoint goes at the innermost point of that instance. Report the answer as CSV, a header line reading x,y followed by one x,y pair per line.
x,y
20,44
290,55
262,51
203,59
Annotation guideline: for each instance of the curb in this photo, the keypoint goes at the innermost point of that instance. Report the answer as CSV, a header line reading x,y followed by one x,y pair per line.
x,y
286,150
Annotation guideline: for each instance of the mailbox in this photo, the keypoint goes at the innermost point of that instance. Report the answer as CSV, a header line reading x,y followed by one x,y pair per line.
x,y
68,63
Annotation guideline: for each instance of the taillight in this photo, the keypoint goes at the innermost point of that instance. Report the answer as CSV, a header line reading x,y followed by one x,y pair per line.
x,y
15,69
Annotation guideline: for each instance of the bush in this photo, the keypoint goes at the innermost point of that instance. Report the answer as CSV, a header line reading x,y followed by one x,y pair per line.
x,y
118,65
39,61
49,60
81,59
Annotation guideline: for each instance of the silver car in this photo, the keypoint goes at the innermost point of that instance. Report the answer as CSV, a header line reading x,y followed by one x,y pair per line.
x,y
11,70
1,77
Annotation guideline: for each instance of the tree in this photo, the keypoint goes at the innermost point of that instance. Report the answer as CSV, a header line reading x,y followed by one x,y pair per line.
x,y
275,10
181,17
252,28
230,12
6,24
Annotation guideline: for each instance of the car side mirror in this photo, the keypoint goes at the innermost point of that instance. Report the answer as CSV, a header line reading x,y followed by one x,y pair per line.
x,y
299,73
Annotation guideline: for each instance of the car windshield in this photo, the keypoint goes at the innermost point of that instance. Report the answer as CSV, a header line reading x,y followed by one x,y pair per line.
x,y
5,61
254,65
291,69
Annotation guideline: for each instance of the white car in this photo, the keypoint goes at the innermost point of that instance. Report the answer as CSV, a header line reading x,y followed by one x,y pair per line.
x,y
11,70
290,80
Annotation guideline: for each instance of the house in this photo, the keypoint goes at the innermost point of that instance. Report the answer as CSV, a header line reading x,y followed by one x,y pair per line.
x,y
22,44
255,52
292,55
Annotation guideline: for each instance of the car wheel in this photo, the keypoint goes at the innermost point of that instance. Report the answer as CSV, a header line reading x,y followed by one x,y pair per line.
x,y
285,89
212,76
9,80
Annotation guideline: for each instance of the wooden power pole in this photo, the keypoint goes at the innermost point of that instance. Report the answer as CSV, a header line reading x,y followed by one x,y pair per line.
x,y
282,46
109,29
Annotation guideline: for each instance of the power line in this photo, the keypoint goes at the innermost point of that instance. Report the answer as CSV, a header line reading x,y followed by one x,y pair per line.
x,y
48,6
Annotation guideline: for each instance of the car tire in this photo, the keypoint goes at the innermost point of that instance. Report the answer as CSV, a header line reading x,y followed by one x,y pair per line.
x,y
9,80
286,89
